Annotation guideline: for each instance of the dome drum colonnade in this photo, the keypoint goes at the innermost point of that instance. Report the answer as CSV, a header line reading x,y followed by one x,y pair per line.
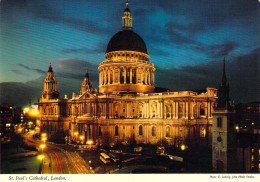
x,y
124,71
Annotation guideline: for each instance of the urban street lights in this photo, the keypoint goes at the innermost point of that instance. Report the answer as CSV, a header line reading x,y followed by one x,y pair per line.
x,y
76,136
42,147
82,139
183,147
41,157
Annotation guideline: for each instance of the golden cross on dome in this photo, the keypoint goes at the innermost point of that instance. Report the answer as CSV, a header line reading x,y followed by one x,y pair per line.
x,y
126,3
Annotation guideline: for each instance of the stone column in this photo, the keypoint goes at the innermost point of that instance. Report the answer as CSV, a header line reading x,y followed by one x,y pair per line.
x,y
177,110
131,75
165,111
150,110
142,75
108,75
186,109
113,81
145,77
118,72
103,77
191,110
173,110
124,75
152,77
149,77
161,113
100,78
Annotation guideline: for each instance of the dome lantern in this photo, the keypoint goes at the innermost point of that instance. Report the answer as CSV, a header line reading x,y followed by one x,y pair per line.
x,y
127,19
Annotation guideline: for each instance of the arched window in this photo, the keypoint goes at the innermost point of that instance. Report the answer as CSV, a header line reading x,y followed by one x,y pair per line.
x,y
116,130
140,130
153,131
99,131
167,131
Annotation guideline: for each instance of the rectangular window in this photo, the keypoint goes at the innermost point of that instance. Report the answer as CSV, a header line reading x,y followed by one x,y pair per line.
x,y
219,122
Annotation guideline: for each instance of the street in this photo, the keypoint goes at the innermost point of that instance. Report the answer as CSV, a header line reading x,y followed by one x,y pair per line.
x,y
58,160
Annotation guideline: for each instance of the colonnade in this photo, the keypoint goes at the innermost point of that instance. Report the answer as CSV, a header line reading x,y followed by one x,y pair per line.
x,y
126,75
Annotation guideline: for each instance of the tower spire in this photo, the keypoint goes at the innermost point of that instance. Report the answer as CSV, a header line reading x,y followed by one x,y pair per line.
x,y
86,84
127,18
224,78
86,75
223,97
50,68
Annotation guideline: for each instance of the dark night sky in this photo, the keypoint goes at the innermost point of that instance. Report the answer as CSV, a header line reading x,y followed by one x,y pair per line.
x,y
185,39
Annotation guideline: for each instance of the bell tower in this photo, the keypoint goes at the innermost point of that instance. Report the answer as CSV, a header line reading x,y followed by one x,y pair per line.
x,y
50,90
86,84
223,126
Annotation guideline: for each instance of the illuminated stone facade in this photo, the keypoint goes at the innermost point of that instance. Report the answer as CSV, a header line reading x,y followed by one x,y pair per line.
x,y
126,109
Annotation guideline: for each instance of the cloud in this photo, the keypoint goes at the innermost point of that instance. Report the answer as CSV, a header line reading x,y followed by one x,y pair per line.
x,y
218,50
99,48
31,69
75,68
206,14
20,72
18,94
176,37
157,51
43,10
242,73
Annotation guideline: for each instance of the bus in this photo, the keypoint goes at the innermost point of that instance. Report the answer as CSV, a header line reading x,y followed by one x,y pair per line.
x,y
105,158
113,157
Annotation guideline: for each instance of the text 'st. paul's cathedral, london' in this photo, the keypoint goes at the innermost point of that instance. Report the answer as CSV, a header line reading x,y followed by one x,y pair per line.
x,y
127,109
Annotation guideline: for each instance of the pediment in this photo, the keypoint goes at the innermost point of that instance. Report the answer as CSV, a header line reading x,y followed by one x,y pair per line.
x,y
87,95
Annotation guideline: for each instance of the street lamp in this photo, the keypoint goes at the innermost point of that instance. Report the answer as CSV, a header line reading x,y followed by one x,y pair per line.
x,y
76,135
90,142
41,157
183,147
44,139
82,138
42,147
90,167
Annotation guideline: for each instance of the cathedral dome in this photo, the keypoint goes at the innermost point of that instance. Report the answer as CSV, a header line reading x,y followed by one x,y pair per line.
x,y
126,40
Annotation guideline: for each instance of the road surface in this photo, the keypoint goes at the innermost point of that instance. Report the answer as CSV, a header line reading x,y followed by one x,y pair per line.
x,y
58,160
